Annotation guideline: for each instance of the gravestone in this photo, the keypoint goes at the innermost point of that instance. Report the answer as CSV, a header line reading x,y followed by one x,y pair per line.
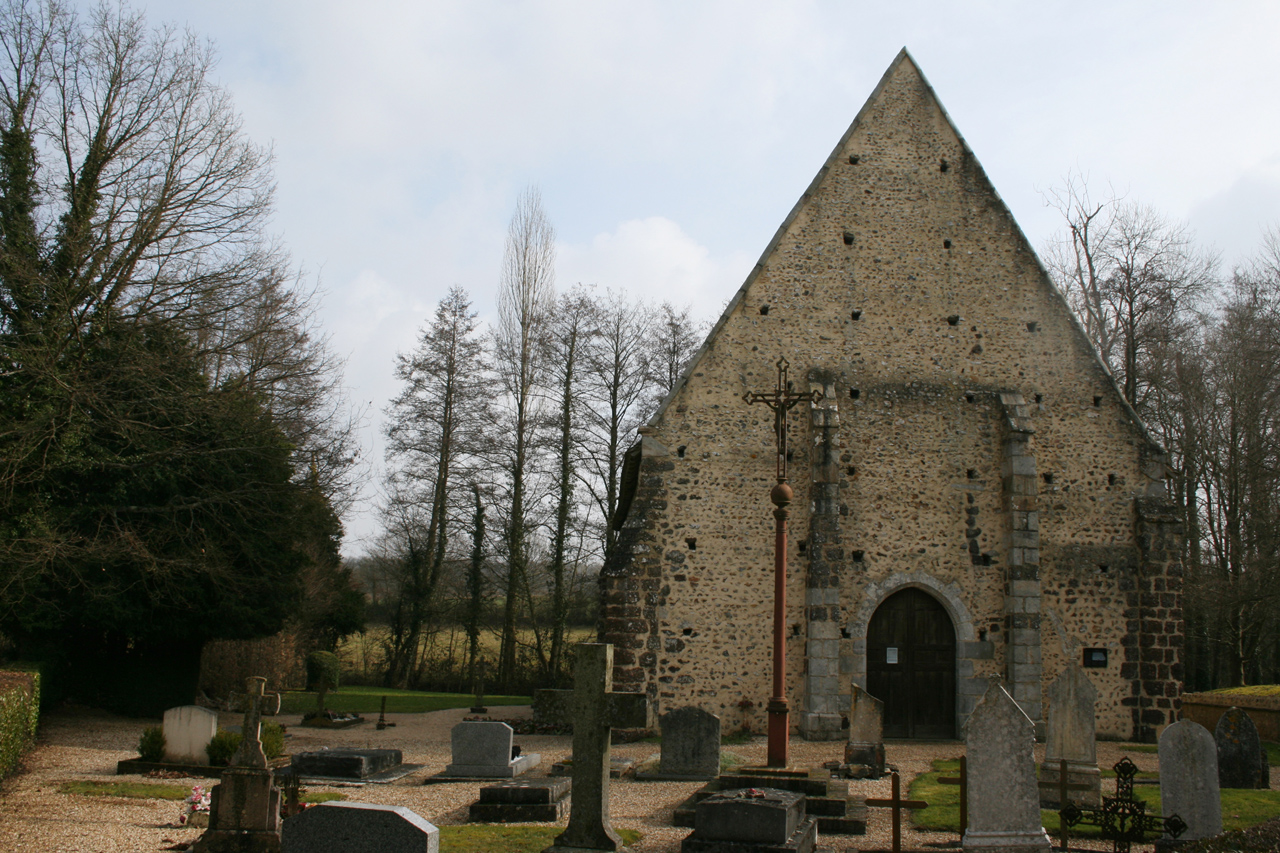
x,y
595,710
1004,804
690,744
483,749
1241,762
357,765
517,801
187,731
752,820
342,827
1189,779
244,809
864,752
1071,737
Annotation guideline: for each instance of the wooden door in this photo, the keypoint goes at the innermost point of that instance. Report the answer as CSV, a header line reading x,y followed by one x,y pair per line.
x,y
911,665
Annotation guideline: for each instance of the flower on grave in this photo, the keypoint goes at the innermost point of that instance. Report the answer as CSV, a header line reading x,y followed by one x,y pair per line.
x,y
197,802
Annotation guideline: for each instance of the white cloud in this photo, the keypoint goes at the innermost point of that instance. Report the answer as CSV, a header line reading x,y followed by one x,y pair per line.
x,y
654,259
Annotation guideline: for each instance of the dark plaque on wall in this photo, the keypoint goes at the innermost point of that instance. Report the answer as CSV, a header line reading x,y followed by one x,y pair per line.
x,y
1095,658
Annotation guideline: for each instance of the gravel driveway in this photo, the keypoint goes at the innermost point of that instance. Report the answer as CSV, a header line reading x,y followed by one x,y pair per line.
x,y
35,818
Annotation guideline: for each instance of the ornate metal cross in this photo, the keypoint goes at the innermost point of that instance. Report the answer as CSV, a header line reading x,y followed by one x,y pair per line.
x,y
782,399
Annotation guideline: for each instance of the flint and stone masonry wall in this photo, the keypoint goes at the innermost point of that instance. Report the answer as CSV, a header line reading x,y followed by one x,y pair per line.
x,y
969,443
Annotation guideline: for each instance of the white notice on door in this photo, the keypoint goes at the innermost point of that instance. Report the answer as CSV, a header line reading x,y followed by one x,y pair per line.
x,y
891,654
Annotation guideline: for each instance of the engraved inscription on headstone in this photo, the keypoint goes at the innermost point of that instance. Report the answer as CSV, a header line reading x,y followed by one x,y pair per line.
x,y
690,744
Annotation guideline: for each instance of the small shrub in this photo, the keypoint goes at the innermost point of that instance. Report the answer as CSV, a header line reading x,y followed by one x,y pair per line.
x,y
151,745
19,715
322,671
222,747
272,739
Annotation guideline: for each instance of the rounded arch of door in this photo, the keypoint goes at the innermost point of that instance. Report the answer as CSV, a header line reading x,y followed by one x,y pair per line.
x,y
948,597
947,594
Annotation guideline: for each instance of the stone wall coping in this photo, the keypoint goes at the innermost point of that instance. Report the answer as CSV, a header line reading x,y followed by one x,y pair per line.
x,y
1229,700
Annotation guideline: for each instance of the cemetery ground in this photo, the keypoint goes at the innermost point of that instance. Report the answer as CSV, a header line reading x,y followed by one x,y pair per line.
x,y
41,810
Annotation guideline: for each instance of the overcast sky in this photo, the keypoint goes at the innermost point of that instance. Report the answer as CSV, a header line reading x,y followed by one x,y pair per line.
x,y
670,139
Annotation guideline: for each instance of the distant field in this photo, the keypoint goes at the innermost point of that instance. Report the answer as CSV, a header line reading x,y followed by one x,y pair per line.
x,y
368,700
363,655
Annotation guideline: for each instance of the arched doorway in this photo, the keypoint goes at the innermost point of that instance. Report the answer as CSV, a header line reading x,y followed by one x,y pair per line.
x,y
911,665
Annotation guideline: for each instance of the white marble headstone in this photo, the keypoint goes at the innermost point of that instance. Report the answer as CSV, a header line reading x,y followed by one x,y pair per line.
x,y
187,731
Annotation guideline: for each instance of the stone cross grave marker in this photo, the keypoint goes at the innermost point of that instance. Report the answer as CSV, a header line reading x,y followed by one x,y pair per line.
x,y
245,806
483,749
865,747
1189,779
897,804
1239,751
1004,802
595,710
341,827
250,753
187,731
690,744
1071,738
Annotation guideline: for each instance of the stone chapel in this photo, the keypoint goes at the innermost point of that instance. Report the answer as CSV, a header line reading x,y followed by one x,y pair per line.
x,y
974,499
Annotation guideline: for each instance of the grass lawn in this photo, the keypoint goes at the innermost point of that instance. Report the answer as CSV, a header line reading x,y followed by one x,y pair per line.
x,y
508,839
1240,808
368,700
161,791
1251,690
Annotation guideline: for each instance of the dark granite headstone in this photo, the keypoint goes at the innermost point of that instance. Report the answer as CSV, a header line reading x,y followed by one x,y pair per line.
x,y
1240,756
346,763
690,744
358,828
752,820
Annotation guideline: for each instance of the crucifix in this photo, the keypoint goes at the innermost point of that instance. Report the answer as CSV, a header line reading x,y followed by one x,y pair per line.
x,y
781,400
249,753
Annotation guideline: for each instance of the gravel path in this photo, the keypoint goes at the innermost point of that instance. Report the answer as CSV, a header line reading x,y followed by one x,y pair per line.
x,y
35,818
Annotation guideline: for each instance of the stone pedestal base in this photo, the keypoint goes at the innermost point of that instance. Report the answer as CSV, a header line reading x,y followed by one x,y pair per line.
x,y
1006,842
515,767
244,814
1077,774
751,820
803,840
868,755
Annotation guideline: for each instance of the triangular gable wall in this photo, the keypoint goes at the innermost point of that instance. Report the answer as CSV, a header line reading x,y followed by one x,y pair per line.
x,y
903,57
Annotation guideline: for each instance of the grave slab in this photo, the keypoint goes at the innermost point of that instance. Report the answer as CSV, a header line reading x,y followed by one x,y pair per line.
x,y
343,827
187,731
752,820
516,801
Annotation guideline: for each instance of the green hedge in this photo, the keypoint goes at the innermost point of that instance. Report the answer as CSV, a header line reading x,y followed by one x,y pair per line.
x,y
19,716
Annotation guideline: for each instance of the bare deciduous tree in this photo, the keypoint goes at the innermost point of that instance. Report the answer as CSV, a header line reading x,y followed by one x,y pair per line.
x,y
524,302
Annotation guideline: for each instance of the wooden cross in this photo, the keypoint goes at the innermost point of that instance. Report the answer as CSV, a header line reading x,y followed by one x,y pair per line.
x,y
896,803
250,753
596,709
963,781
1063,787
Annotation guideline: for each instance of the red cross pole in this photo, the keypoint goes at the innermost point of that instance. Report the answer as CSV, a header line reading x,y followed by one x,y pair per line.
x,y
781,400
